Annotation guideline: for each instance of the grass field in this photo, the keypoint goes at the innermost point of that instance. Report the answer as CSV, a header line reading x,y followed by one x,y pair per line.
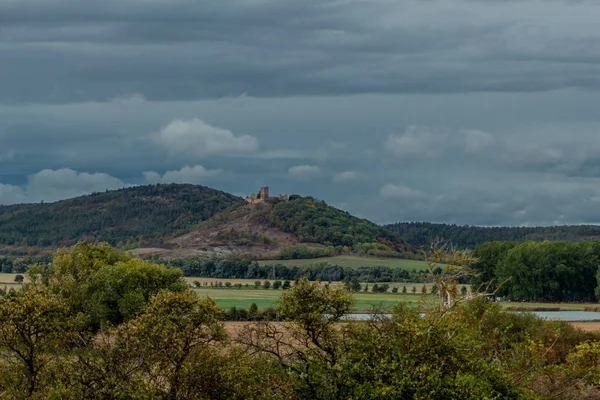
x,y
354,262
243,298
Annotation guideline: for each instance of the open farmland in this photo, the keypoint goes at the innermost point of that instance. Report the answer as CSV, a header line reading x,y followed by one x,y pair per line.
x,y
243,298
354,262
7,281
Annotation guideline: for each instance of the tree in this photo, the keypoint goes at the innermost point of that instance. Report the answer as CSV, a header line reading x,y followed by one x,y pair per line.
x,y
171,351
311,345
252,311
106,285
34,326
277,285
355,285
286,284
267,285
414,289
19,278
119,292
257,284
403,289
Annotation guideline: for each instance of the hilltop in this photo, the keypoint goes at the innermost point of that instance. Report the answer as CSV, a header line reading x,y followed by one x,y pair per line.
x,y
265,229
181,220
130,217
423,233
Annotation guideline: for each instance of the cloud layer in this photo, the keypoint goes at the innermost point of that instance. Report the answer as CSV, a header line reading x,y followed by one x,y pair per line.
x,y
285,47
461,111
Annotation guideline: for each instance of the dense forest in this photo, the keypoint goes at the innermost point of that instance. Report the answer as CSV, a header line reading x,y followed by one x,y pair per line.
x,y
540,271
314,221
136,215
98,324
467,237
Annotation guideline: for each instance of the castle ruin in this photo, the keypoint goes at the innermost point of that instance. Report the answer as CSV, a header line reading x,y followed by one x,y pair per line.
x,y
263,195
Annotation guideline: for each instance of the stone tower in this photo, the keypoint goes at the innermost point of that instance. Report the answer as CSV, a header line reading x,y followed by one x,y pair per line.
x,y
264,193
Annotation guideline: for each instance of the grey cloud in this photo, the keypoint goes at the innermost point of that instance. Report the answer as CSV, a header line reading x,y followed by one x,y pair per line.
x,y
52,185
304,172
75,50
346,176
196,137
540,204
196,175
474,147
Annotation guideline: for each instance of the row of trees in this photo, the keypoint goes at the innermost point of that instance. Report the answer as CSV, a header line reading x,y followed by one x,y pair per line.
x,y
249,269
540,271
171,344
467,237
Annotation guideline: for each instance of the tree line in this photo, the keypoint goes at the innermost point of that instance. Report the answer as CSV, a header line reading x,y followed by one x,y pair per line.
x,y
540,271
250,269
98,324
467,237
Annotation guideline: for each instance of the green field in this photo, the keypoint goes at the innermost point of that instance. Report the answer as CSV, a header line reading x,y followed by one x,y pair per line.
x,y
354,262
243,298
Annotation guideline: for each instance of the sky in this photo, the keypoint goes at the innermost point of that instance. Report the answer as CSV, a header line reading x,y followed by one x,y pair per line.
x,y
479,112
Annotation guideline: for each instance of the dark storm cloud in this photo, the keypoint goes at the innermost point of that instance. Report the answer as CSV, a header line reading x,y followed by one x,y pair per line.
x,y
76,50
464,111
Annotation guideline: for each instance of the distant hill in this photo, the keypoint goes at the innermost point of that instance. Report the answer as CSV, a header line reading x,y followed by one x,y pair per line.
x,y
264,229
181,220
126,217
422,233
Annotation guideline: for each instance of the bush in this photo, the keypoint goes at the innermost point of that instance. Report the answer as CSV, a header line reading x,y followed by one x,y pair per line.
x,y
19,278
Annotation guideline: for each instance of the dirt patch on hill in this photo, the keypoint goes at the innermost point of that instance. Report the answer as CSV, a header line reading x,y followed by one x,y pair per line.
x,y
242,231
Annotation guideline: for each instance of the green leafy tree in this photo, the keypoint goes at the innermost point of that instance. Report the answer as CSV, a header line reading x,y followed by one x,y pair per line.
x,y
34,328
313,344
266,284
105,285
19,278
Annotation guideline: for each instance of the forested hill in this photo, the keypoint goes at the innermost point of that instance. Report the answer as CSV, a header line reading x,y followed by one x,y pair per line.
x,y
136,215
423,233
314,221
188,219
